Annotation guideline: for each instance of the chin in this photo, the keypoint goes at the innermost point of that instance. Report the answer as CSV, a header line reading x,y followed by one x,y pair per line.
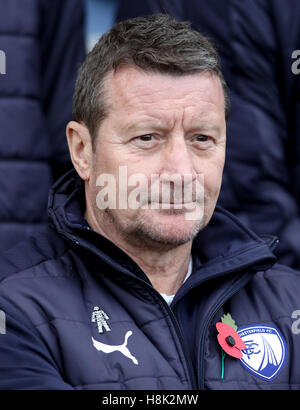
x,y
173,233
154,229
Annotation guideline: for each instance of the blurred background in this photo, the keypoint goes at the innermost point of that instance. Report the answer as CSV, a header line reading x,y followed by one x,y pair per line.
x,y
45,41
100,16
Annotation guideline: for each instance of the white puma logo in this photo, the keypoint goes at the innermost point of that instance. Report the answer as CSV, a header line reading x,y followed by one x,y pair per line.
x,y
121,348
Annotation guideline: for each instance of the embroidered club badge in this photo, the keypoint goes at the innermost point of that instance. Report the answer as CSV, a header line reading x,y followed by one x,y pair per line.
x,y
265,351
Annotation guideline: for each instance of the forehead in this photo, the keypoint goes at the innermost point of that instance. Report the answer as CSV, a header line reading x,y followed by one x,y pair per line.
x,y
133,91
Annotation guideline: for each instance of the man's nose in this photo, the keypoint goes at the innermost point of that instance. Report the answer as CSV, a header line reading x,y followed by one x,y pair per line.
x,y
177,158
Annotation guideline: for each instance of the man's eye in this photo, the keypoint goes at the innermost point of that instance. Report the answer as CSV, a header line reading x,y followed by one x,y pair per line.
x,y
203,142
146,138
147,141
202,138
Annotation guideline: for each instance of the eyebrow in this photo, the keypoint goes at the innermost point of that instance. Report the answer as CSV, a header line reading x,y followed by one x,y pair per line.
x,y
150,123
163,125
206,127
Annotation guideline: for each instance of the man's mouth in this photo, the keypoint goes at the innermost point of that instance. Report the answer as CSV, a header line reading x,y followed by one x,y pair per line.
x,y
173,205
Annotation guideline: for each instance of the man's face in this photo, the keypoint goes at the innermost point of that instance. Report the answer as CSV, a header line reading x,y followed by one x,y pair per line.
x,y
160,125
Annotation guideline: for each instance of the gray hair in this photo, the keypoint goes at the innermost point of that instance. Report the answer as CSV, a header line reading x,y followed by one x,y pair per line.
x,y
157,43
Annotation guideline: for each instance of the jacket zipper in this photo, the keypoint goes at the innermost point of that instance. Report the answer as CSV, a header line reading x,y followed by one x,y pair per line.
x,y
180,337
241,283
162,302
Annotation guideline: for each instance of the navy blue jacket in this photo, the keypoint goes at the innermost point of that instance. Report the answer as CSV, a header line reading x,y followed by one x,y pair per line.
x,y
51,287
255,39
44,45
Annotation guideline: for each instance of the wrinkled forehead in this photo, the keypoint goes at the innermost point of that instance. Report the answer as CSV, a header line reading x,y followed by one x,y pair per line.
x,y
130,90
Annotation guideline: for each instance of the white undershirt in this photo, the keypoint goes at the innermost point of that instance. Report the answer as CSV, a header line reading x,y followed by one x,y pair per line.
x,y
169,298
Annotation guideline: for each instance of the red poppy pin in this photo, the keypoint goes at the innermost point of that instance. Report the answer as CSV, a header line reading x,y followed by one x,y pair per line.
x,y
229,340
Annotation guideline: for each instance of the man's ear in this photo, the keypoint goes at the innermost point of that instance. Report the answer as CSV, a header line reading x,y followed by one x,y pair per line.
x,y
80,147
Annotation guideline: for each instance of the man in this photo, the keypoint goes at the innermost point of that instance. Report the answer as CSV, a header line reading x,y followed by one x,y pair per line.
x,y
258,42
126,290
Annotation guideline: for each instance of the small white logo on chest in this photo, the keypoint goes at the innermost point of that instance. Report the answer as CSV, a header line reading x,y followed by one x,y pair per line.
x,y
101,318
120,348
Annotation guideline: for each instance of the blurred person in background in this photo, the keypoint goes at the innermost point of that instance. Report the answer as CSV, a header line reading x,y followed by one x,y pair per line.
x,y
43,42
255,39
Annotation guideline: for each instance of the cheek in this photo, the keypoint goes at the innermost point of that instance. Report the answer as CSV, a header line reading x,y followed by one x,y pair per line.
x,y
102,163
212,180
106,162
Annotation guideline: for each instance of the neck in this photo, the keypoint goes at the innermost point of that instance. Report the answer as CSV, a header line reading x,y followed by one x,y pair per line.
x,y
166,270
165,266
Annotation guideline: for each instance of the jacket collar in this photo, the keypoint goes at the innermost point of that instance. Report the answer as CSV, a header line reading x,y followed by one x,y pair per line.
x,y
225,245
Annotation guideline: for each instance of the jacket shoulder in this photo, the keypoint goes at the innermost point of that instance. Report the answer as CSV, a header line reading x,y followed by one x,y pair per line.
x,y
280,277
278,288
284,271
25,255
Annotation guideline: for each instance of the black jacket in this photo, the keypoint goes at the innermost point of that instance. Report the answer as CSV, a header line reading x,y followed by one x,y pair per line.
x,y
52,287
